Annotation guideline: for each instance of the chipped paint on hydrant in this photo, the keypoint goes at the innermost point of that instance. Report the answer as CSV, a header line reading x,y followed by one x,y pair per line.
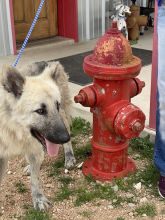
x,y
115,120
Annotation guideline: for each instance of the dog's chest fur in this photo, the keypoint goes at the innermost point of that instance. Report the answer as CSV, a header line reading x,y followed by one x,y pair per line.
x,y
14,142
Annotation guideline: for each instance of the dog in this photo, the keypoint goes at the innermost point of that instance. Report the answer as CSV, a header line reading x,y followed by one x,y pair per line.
x,y
34,113
120,17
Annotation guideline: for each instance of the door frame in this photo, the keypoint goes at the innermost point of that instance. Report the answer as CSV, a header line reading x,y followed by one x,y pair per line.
x,y
64,23
68,18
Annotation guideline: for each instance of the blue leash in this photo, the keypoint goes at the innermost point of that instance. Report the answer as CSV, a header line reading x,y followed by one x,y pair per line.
x,y
29,33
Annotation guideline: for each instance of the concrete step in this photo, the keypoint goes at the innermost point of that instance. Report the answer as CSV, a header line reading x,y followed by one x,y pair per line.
x,y
49,42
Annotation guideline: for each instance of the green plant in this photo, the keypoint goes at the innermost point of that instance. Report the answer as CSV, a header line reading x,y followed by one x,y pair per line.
x,y
21,188
55,168
127,184
143,146
149,175
32,214
84,196
65,180
148,209
63,194
89,190
83,152
96,191
80,126
120,218
90,179
86,214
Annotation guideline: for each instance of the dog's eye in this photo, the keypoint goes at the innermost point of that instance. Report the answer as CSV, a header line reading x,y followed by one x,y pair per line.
x,y
42,110
58,106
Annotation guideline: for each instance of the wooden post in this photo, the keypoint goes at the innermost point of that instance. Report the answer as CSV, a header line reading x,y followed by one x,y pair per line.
x,y
68,19
153,104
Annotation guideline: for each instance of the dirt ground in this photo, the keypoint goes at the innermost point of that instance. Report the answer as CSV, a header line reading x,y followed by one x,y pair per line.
x,y
14,203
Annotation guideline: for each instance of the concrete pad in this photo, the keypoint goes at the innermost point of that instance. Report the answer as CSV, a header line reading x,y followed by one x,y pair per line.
x,y
142,100
49,52
145,41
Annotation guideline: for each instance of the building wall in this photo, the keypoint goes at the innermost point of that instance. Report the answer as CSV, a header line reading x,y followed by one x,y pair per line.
x,y
91,19
6,46
94,16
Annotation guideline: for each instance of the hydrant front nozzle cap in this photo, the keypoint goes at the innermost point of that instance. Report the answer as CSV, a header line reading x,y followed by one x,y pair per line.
x,y
137,127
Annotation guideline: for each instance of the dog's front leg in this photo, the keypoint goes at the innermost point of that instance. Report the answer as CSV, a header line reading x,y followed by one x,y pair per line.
x,y
3,166
69,155
39,200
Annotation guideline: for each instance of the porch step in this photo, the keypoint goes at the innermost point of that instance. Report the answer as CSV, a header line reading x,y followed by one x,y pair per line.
x,y
49,42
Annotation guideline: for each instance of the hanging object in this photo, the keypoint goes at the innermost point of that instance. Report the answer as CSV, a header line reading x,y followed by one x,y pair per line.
x,y
120,17
134,22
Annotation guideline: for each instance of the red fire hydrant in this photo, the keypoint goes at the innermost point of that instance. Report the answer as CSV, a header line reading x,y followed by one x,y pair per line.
x,y
115,120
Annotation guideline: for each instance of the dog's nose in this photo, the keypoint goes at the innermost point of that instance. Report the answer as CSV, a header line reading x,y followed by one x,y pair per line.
x,y
58,136
64,137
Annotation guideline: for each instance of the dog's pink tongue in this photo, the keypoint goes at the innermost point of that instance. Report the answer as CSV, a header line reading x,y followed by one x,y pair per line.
x,y
52,148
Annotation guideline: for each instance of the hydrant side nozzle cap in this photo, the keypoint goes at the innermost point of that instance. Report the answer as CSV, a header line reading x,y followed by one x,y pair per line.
x,y
79,98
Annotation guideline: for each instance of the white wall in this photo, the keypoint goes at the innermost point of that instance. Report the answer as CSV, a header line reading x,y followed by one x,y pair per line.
x,y
6,45
91,19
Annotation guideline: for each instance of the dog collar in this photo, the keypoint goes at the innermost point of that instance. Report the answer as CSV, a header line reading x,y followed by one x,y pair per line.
x,y
121,16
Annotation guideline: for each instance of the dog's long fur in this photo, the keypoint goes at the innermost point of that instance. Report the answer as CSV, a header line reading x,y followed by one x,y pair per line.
x,y
40,86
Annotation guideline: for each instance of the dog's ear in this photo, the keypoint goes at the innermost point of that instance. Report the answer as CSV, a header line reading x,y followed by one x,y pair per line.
x,y
60,77
57,72
12,81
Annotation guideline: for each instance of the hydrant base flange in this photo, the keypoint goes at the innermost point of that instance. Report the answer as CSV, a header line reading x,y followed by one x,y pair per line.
x,y
89,170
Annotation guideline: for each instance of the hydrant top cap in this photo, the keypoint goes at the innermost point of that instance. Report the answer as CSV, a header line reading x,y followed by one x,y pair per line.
x,y
112,57
113,48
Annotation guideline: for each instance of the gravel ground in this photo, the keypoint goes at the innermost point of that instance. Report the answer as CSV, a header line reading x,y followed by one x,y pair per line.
x,y
14,204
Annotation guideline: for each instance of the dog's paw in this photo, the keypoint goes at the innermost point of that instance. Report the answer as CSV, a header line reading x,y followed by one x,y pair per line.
x,y
70,161
27,170
41,202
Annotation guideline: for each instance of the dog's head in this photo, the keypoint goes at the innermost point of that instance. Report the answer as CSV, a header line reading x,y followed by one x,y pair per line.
x,y
122,10
34,103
